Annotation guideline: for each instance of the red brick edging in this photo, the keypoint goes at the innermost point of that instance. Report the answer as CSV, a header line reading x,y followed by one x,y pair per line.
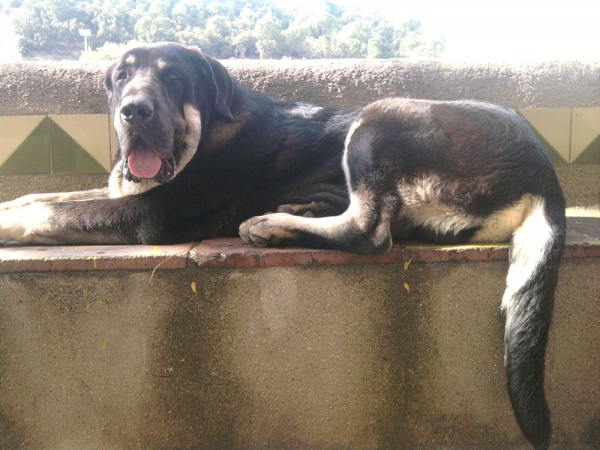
x,y
232,252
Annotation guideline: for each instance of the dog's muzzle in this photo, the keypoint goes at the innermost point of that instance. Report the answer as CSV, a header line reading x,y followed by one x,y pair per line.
x,y
141,162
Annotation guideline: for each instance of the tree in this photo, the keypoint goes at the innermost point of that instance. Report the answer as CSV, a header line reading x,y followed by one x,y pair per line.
x,y
115,24
187,14
49,25
270,41
375,48
222,28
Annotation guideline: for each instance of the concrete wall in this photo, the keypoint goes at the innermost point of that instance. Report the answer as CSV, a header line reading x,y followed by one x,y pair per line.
x,y
297,357
76,88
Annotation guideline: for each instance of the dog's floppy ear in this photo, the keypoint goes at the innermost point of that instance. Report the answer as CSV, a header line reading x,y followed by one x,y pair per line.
x,y
108,84
222,81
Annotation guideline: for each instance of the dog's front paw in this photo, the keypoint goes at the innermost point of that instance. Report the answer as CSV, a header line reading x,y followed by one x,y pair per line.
x,y
264,231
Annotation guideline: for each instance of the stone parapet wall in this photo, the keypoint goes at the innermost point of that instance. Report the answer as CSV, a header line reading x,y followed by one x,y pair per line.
x,y
34,88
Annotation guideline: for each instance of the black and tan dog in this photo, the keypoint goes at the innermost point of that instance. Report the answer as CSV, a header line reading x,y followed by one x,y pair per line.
x,y
199,154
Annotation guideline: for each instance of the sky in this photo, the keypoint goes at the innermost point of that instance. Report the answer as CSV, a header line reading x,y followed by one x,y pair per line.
x,y
477,30
501,30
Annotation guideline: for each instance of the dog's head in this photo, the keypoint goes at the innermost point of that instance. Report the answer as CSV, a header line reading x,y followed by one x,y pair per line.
x,y
160,97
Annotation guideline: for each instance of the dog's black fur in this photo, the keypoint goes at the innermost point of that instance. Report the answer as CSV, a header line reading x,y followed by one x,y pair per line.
x,y
199,155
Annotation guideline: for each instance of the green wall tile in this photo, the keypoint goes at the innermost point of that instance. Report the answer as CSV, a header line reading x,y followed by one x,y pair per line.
x,y
585,136
90,131
552,126
33,155
591,154
554,155
70,157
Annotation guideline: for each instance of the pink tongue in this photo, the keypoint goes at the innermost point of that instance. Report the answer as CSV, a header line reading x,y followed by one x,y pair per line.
x,y
144,163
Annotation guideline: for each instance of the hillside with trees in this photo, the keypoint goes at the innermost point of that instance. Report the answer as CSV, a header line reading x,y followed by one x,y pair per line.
x,y
222,28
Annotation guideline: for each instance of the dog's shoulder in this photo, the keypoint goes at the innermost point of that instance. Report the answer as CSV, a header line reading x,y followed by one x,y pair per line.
x,y
266,125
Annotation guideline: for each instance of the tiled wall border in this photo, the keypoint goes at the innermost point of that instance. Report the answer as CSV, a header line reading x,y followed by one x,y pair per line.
x,y
65,143
569,135
85,143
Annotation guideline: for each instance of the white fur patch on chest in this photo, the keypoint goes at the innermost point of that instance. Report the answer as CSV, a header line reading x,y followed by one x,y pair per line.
x,y
120,187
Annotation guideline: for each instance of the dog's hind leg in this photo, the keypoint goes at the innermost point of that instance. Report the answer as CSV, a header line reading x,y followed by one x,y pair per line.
x,y
314,208
325,200
363,228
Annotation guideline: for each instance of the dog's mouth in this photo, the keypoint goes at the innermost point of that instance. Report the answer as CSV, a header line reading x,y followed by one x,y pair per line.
x,y
143,164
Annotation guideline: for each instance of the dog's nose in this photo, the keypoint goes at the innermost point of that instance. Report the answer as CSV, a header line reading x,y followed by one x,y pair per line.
x,y
137,111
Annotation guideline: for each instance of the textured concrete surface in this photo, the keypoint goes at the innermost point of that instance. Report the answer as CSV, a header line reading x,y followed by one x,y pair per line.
x,y
76,88
354,82
52,88
580,183
297,357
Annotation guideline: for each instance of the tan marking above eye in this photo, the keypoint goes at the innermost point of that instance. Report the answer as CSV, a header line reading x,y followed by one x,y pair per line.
x,y
161,64
130,59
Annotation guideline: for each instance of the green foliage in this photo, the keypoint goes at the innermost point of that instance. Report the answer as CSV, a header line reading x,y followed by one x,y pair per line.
x,y
109,51
222,28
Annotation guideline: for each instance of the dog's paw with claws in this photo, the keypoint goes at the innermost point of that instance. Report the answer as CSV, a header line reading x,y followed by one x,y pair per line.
x,y
268,230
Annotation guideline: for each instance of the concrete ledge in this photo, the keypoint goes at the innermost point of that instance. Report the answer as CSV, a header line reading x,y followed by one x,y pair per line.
x,y
299,357
93,257
583,241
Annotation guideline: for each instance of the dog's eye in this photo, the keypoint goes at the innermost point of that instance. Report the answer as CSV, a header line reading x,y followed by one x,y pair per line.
x,y
122,75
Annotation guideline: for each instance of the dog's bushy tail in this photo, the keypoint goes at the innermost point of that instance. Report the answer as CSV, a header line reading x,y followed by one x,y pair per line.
x,y
534,256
